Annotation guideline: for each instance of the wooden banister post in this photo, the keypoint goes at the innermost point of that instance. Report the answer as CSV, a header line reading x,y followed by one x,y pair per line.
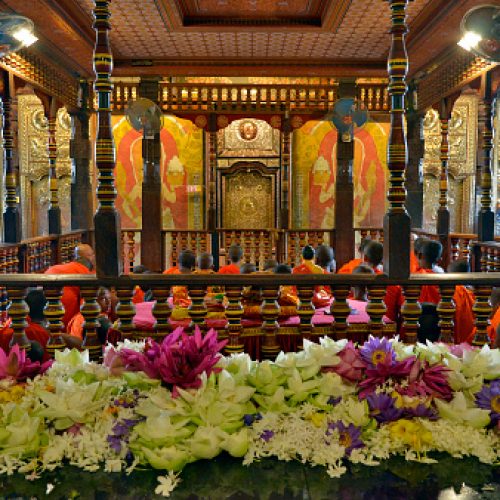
x,y
106,219
151,186
12,213
54,212
397,221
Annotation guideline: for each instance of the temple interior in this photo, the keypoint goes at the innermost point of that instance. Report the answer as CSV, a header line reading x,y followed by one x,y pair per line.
x,y
273,171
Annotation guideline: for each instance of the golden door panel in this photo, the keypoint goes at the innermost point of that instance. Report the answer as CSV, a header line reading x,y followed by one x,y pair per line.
x,y
248,200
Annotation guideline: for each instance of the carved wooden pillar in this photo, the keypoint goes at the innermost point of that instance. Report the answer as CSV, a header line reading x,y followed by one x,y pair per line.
x,y
125,310
211,147
414,172
482,309
162,311
12,214
81,187
446,311
234,312
411,311
285,171
376,309
486,218
340,310
151,187
54,212
397,221
106,219
270,313
197,310
305,310
344,189
90,311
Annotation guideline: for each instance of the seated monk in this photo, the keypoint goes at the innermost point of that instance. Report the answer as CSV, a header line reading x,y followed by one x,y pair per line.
x,y
74,337
214,298
180,295
429,254
415,245
83,264
349,267
235,254
464,300
287,298
270,266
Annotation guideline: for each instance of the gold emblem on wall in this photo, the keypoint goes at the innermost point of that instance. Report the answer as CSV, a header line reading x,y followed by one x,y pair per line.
x,y
248,200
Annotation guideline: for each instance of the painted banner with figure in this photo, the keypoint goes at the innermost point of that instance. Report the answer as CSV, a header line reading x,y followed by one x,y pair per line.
x,y
181,173
314,166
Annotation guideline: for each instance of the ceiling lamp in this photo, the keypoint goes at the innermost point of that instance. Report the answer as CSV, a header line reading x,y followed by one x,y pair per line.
x,y
15,32
481,32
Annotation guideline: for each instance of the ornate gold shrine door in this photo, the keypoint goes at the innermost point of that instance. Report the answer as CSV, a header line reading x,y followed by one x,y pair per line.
x,y
248,199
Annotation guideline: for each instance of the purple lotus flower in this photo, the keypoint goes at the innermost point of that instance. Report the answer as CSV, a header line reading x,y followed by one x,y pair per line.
x,y
179,360
379,374
349,436
18,366
267,435
351,366
382,407
334,401
376,351
488,398
422,411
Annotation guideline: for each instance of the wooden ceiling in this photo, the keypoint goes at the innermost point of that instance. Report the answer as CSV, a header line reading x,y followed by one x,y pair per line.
x,y
231,37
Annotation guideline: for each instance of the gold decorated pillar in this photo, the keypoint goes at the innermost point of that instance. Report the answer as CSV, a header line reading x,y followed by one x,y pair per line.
x,y
106,219
211,171
54,212
285,171
397,221
12,214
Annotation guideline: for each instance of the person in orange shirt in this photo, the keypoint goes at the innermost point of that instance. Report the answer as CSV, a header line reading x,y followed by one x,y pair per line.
x,y
84,263
180,295
352,264
429,254
235,254
464,300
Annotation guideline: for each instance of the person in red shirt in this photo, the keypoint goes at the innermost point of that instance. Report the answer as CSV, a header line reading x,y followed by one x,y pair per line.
x,y
83,264
235,255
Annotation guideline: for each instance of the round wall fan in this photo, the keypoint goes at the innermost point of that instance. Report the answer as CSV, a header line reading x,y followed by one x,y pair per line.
x,y
144,115
347,114
15,32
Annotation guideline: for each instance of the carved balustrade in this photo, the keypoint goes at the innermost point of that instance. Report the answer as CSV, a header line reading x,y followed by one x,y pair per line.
x,y
297,239
486,256
199,97
270,332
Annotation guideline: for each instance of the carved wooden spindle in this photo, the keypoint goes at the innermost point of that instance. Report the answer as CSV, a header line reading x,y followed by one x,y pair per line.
x,y
90,311
54,213
162,311
491,259
482,309
270,313
54,312
125,311
197,310
411,311
18,310
397,221
340,310
455,248
446,312
106,219
234,313
484,259
305,310
376,309
130,250
465,251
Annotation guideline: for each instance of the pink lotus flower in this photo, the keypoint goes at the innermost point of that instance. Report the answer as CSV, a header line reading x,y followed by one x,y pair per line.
x,y
425,380
351,366
382,372
18,366
459,349
179,360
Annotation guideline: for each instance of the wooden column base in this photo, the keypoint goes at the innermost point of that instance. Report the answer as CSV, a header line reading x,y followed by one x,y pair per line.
x,y
397,245
107,244
12,225
55,226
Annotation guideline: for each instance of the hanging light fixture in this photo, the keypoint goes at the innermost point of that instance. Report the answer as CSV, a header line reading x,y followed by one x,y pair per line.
x,y
16,32
481,32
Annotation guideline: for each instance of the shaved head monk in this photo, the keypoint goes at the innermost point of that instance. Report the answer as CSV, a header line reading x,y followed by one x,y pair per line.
x,y
235,255
83,264
352,264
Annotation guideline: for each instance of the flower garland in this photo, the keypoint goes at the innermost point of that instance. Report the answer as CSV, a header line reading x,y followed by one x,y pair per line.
x,y
166,405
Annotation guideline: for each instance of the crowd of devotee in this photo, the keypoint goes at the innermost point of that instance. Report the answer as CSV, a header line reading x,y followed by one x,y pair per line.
x,y
425,258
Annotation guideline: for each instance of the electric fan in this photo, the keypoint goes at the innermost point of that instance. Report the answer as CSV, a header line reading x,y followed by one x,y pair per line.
x,y
347,114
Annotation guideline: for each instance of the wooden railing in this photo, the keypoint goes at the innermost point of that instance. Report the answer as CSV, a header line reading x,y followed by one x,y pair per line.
x,y
486,256
198,97
267,328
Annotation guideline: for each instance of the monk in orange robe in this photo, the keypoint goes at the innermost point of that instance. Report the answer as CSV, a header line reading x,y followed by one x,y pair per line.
x,y
287,298
214,298
429,254
180,295
83,264
235,255
352,264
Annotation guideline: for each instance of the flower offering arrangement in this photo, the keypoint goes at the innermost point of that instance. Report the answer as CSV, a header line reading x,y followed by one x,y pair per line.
x,y
164,405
